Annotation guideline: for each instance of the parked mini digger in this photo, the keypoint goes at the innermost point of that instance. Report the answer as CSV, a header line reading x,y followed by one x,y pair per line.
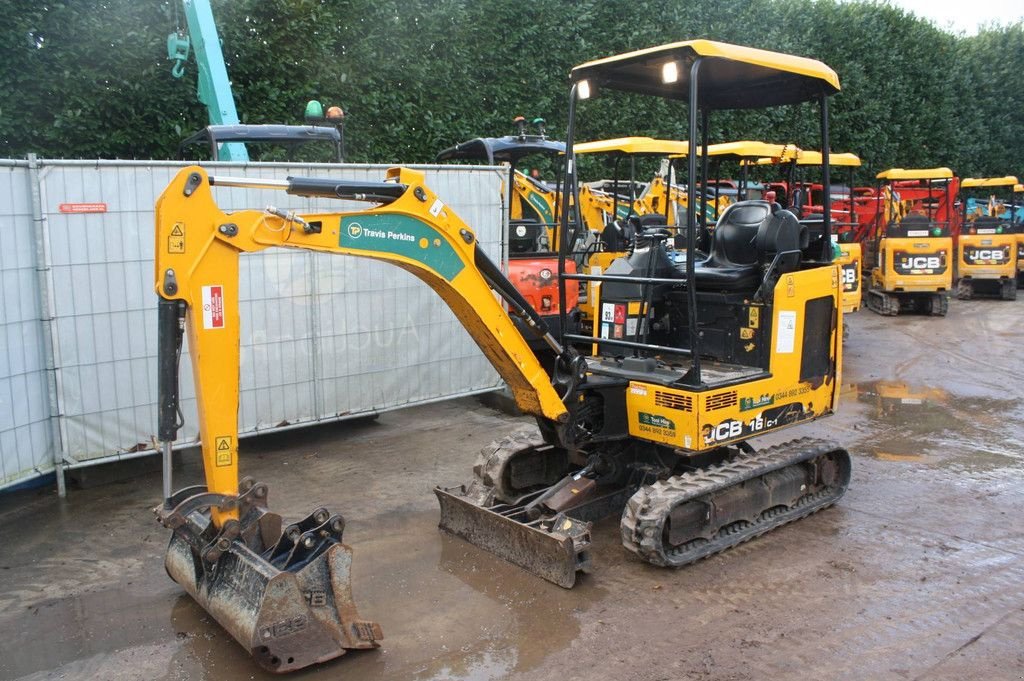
x,y
1017,219
721,348
693,353
987,248
531,206
914,250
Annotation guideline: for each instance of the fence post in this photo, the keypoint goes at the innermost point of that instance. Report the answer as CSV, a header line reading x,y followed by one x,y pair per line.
x,y
41,237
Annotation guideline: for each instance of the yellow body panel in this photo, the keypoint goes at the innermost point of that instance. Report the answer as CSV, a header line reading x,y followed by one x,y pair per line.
x,y
1020,252
417,233
850,262
914,265
987,256
700,420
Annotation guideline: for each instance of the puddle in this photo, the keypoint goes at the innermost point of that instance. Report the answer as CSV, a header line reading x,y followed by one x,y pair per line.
x,y
915,424
449,611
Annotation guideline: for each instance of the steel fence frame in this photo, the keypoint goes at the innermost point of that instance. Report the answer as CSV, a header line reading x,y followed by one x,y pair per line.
x,y
93,275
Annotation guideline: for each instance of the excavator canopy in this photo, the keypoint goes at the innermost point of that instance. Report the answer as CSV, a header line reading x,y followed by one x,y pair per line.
x,y
1008,181
915,174
732,76
813,158
507,149
633,145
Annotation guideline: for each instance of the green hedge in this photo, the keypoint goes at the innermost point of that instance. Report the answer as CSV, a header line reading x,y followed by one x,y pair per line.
x,y
89,79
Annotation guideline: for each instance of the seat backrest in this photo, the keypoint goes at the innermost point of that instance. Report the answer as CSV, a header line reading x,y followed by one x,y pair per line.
x,y
915,221
736,232
652,220
987,221
523,236
781,232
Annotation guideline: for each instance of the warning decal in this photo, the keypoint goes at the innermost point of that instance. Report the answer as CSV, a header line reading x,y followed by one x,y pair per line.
x,y
176,240
213,307
82,208
223,445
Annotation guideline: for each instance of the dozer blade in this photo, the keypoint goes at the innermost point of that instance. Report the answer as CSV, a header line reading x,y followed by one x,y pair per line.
x,y
553,548
286,597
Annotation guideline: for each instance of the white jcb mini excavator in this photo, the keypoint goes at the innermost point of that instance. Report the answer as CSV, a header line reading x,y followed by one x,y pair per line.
x,y
651,420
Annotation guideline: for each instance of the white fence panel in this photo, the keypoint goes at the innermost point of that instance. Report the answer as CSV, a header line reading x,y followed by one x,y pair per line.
x,y
26,443
322,336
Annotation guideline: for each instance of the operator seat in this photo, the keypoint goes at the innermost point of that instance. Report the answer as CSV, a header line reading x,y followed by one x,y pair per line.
x,y
747,238
910,223
781,234
733,262
986,222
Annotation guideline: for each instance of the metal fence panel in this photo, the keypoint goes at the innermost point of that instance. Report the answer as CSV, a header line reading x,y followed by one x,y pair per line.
x,y
322,336
26,444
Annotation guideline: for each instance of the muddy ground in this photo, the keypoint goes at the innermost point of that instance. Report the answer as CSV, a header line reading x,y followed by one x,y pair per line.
x,y
918,572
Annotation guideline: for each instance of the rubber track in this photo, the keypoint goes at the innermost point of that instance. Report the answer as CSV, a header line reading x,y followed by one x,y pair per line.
x,y
643,519
882,303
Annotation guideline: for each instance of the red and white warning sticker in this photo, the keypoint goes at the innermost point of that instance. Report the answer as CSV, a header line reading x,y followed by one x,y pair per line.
x,y
82,208
213,307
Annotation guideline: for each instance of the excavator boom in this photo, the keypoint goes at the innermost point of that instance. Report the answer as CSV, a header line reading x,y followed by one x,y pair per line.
x,y
284,591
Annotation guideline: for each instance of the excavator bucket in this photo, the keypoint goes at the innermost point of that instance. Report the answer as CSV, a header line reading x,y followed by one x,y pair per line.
x,y
284,594
555,548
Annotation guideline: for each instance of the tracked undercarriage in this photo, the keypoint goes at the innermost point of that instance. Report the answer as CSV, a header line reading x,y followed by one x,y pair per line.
x,y
892,304
675,510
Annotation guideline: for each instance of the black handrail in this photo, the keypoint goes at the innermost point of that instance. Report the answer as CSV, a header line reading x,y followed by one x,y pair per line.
x,y
628,344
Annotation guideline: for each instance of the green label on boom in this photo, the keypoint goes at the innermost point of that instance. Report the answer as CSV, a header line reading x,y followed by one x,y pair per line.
x,y
401,235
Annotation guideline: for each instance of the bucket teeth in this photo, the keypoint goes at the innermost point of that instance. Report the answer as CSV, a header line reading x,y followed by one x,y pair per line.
x,y
283,594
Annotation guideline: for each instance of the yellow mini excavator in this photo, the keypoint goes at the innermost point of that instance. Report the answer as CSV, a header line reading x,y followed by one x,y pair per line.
x,y
912,246
694,351
987,247
714,351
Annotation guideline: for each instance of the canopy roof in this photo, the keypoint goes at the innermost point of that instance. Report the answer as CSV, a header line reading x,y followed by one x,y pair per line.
x,y
731,76
508,149
1018,187
1007,181
749,149
633,145
915,174
813,158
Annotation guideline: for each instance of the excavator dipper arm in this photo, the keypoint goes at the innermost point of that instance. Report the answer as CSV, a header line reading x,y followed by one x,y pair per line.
x,y
285,594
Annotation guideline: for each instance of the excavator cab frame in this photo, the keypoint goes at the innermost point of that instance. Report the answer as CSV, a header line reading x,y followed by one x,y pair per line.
x,y
850,252
612,216
686,362
914,252
601,206
987,245
746,154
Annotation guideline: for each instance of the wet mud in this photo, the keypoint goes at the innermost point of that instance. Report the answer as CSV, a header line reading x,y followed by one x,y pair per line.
x,y
918,572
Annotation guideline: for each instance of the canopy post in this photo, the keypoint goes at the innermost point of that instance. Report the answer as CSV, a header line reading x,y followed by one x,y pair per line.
x,y
693,377
826,200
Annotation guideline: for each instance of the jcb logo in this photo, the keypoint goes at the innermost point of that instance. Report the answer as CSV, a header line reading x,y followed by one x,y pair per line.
x,y
989,255
726,430
921,262
849,277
